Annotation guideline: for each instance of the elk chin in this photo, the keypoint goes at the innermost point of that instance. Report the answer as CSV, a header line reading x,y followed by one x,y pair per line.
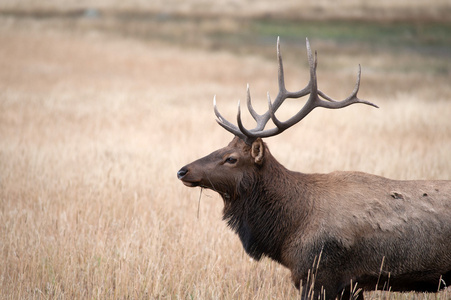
x,y
191,184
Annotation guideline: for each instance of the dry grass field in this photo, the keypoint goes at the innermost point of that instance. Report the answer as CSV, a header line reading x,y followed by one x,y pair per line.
x,y
94,126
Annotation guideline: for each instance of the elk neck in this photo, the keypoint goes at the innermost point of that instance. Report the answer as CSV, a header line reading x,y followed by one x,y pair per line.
x,y
266,207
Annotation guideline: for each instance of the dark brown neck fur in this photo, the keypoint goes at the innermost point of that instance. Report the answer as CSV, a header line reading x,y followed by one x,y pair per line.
x,y
260,212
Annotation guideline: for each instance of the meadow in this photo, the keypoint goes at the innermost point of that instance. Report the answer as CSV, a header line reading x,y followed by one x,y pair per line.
x,y
96,118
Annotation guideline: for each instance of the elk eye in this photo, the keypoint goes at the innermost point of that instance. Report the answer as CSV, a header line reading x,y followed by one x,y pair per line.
x,y
230,160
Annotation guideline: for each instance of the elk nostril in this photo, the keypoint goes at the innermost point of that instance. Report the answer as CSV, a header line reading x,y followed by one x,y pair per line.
x,y
182,172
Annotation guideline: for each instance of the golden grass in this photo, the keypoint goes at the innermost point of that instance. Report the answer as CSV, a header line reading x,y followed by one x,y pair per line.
x,y
93,130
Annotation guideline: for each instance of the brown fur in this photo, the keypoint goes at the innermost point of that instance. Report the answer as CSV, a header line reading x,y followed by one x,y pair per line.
x,y
362,228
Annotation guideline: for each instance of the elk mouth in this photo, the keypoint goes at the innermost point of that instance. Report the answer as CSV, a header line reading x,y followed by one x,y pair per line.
x,y
190,184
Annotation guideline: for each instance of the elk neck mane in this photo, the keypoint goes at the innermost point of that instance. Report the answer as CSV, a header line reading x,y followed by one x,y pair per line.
x,y
262,209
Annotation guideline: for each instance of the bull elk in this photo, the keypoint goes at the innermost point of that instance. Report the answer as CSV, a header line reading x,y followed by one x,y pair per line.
x,y
334,230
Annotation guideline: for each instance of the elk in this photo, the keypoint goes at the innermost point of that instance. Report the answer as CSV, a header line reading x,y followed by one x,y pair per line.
x,y
333,231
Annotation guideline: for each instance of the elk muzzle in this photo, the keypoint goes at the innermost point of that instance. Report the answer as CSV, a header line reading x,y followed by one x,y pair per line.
x,y
183,175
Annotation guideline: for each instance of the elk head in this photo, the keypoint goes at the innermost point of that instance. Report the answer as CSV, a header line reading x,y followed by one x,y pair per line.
x,y
224,169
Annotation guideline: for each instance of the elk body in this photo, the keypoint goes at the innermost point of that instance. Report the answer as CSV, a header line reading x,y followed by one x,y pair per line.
x,y
332,231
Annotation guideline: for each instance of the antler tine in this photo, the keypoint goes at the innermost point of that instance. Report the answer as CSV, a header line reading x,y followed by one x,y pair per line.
x,y
262,120
274,119
253,113
351,99
280,68
241,127
226,124
273,107
281,96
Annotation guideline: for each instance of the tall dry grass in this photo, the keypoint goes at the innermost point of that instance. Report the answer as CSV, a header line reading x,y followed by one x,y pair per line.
x,y
94,128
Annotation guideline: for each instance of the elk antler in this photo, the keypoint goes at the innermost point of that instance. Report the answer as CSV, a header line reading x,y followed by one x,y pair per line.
x,y
316,99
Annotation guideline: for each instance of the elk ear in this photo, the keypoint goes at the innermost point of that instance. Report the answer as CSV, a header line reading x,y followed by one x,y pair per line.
x,y
257,151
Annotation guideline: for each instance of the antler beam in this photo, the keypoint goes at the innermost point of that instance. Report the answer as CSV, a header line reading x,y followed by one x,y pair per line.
x,y
316,99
